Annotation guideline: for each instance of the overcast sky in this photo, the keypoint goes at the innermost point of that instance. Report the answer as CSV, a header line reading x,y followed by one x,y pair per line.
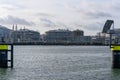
x,y
44,15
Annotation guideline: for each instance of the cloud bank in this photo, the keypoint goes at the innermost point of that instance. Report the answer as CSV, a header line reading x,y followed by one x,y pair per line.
x,y
44,15
15,20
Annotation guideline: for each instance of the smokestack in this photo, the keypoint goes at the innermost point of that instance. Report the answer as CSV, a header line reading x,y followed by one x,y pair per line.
x,y
13,27
24,27
16,27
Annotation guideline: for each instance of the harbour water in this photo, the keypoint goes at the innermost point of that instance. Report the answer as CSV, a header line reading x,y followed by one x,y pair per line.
x,y
61,63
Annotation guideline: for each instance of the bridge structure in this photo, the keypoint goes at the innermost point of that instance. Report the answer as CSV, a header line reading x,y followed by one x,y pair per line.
x,y
113,42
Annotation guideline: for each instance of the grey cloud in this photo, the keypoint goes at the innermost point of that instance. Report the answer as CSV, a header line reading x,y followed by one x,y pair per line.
x,y
51,23
44,15
92,14
60,24
15,20
47,22
91,27
94,27
116,7
98,14
10,7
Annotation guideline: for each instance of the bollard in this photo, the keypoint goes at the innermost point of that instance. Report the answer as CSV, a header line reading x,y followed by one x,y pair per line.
x,y
115,56
4,58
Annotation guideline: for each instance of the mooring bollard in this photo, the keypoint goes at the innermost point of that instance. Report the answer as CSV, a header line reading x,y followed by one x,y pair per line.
x,y
115,56
4,58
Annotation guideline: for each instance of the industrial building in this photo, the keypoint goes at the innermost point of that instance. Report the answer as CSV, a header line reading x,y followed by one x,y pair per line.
x,y
66,36
24,36
58,36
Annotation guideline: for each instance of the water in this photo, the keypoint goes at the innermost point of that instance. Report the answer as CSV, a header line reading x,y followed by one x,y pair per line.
x,y
61,63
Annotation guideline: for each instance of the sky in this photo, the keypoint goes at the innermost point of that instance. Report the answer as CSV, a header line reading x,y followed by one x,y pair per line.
x,y
44,15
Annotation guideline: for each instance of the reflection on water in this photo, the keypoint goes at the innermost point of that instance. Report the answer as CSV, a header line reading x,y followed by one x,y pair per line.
x,y
61,63
115,74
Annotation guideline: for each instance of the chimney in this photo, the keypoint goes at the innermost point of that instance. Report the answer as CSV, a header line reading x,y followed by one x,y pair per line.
x,y
16,27
13,27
